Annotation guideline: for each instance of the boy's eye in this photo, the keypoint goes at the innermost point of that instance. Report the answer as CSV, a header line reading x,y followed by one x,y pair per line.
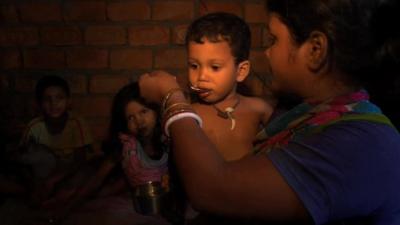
x,y
215,67
193,66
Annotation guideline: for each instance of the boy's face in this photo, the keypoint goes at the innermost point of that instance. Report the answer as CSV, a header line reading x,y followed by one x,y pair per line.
x,y
212,68
54,102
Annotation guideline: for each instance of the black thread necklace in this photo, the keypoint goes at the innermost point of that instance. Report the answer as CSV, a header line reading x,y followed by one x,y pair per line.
x,y
228,113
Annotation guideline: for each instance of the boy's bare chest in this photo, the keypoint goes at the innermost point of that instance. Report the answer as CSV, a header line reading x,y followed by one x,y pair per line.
x,y
232,143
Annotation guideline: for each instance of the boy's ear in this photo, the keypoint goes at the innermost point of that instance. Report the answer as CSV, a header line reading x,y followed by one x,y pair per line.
x,y
243,70
318,51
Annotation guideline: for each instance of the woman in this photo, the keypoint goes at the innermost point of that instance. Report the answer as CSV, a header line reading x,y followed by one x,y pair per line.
x,y
332,159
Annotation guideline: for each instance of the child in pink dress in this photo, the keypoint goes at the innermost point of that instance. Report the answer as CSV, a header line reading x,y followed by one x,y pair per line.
x,y
136,131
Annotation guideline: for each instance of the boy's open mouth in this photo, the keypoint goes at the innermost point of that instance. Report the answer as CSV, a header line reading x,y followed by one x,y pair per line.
x,y
198,90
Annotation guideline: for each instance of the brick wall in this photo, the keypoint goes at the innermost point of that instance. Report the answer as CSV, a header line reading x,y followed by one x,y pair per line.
x,y
98,46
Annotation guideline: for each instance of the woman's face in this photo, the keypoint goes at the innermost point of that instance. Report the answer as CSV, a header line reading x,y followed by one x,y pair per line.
x,y
141,120
285,59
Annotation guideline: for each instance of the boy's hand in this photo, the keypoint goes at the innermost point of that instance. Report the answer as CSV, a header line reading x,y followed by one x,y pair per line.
x,y
155,85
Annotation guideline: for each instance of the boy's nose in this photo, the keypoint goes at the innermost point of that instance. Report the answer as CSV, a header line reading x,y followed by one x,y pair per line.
x,y
202,75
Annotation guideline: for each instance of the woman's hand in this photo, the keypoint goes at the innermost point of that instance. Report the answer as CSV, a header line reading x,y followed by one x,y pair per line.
x,y
155,85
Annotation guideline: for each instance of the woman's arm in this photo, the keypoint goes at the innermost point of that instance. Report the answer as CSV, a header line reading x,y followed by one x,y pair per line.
x,y
251,187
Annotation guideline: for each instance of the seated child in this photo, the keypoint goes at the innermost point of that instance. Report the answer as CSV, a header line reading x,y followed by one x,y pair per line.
x,y
135,138
134,142
218,46
54,144
135,135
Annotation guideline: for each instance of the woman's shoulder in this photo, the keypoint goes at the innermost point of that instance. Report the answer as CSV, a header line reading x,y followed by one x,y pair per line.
x,y
362,134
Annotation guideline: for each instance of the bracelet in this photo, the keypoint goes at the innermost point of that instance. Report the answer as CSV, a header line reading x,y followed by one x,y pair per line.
x,y
168,96
165,118
165,111
182,116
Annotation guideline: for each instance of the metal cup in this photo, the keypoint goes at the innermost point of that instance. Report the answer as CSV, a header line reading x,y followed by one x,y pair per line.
x,y
149,198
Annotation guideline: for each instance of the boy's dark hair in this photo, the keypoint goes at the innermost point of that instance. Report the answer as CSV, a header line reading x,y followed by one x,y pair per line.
x,y
50,81
220,26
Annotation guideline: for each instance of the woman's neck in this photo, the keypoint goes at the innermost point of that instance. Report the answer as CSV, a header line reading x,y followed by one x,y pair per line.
x,y
325,88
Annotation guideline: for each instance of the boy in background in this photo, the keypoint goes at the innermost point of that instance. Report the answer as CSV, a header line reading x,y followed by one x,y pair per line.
x,y
54,144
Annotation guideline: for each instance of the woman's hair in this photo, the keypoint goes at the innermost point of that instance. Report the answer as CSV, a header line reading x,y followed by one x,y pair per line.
x,y
220,26
118,123
350,26
363,40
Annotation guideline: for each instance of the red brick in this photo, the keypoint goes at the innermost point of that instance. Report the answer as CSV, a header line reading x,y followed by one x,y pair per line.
x,y
171,59
25,84
8,14
61,35
4,83
21,36
23,106
85,58
255,13
10,59
173,10
179,33
148,35
212,6
40,12
259,61
131,59
44,59
77,83
107,83
125,11
105,35
256,35
99,128
92,105
86,11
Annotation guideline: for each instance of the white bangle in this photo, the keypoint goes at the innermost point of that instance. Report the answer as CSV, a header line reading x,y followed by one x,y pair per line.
x,y
182,116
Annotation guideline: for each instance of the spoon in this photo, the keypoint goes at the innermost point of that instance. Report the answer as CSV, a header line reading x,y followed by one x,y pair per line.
x,y
196,89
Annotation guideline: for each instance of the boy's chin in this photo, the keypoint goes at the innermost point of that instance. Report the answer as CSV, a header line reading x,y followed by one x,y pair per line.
x,y
55,116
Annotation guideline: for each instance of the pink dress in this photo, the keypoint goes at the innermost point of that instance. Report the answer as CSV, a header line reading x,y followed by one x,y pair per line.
x,y
138,167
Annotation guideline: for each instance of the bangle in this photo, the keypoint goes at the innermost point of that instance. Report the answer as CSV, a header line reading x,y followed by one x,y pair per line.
x,y
175,105
168,96
182,116
175,112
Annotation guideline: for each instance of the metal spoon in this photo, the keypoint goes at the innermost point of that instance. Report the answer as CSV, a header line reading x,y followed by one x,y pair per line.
x,y
196,89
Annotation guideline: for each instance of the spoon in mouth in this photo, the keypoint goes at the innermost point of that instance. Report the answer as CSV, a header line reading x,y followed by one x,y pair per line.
x,y
197,89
